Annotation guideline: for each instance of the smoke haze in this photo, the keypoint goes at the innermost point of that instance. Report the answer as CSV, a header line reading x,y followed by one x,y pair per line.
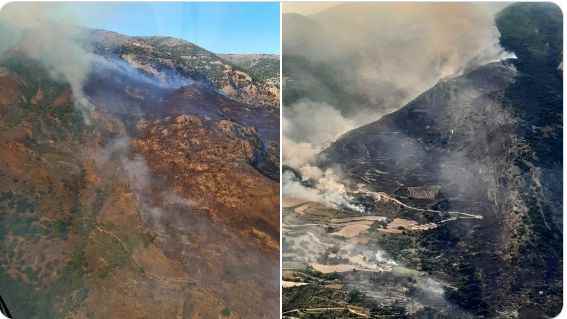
x,y
380,57
36,29
388,53
349,65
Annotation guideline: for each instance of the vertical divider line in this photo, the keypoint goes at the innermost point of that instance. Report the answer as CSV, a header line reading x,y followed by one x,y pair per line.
x,y
281,158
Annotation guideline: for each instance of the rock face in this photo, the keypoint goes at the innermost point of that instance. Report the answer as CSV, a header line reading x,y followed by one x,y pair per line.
x,y
159,202
492,140
212,163
262,66
164,56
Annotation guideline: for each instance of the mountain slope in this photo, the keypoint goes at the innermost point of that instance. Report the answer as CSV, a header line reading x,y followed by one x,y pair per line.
x,y
261,66
360,58
159,200
163,55
326,78
491,139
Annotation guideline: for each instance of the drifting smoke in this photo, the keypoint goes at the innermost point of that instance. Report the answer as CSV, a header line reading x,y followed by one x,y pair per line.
x,y
316,125
135,168
328,189
388,53
213,252
307,8
166,79
299,125
49,34
382,56
171,198
55,42
350,65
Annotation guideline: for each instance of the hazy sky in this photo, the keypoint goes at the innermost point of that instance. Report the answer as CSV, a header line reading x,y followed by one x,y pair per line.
x,y
307,8
220,27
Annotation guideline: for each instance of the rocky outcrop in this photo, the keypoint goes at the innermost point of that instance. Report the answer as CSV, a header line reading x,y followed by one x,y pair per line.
x,y
160,200
199,158
166,57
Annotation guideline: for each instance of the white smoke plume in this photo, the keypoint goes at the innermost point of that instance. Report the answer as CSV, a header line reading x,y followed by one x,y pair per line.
x,y
391,52
387,52
328,190
315,123
51,34
300,124
45,32
165,79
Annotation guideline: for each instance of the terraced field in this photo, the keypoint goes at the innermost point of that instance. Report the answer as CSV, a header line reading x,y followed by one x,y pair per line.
x,y
347,264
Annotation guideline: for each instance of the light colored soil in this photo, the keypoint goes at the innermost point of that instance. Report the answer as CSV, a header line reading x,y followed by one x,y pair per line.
x,y
290,284
326,269
360,218
354,229
303,208
288,201
335,286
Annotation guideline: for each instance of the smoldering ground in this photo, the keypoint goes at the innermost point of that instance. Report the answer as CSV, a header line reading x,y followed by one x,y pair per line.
x,y
350,67
386,53
376,274
50,33
214,253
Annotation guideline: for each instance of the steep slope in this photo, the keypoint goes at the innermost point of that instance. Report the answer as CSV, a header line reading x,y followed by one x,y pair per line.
x,y
160,56
160,201
491,140
261,66
130,94
360,58
329,78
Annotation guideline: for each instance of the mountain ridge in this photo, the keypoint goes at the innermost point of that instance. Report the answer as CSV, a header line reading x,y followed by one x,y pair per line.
x,y
195,62
138,193
498,154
